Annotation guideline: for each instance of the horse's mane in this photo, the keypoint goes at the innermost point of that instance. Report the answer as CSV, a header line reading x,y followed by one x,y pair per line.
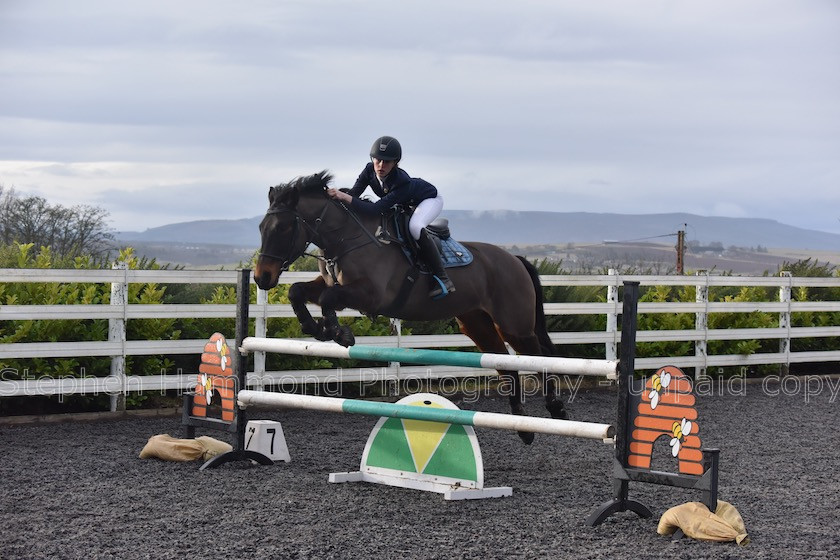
x,y
287,194
312,183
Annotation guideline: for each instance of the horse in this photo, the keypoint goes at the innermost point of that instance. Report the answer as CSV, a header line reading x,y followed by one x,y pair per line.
x,y
498,297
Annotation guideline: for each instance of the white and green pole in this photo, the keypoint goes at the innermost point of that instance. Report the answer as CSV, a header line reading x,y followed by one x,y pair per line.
x,y
571,428
546,364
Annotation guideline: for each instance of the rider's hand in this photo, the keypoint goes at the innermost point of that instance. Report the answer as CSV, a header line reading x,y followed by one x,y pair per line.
x,y
338,195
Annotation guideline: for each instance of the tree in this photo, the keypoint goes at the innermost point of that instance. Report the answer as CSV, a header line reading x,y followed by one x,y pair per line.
x,y
68,232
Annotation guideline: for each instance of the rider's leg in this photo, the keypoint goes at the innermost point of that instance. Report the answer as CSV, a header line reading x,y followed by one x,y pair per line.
x,y
430,254
423,215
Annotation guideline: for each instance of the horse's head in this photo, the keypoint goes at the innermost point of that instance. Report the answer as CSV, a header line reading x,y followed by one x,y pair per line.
x,y
289,225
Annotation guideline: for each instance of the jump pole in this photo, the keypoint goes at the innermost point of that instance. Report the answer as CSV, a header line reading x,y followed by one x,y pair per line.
x,y
556,365
570,428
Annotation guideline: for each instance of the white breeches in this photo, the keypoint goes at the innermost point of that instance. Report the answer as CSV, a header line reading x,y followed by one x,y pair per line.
x,y
424,214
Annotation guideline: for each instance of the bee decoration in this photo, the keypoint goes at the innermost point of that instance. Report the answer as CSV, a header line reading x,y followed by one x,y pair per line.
x,y
660,384
680,430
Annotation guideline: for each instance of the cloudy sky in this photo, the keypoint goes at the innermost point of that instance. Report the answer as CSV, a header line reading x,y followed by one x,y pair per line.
x,y
170,111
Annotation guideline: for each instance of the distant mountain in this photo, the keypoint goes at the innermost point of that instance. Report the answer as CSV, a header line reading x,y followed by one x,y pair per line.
x,y
506,227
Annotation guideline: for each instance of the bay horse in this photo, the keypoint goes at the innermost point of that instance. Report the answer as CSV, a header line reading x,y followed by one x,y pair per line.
x,y
498,298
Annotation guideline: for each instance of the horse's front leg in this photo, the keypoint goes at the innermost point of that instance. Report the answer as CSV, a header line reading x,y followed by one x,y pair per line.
x,y
359,295
301,293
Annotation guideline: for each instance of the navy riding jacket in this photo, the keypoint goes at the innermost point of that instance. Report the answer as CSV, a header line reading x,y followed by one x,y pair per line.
x,y
397,188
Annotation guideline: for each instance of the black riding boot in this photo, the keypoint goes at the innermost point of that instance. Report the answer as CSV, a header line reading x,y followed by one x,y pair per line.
x,y
430,254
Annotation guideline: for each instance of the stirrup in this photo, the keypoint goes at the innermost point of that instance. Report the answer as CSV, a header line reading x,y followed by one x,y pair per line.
x,y
443,289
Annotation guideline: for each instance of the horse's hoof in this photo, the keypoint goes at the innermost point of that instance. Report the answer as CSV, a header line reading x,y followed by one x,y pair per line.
x,y
322,332
557,410
518,409
345,336
526,437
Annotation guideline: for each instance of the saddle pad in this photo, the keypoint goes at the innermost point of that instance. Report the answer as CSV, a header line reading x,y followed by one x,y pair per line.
x,y
452,253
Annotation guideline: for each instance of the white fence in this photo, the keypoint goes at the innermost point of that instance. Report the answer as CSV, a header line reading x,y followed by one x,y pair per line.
x,y
119,311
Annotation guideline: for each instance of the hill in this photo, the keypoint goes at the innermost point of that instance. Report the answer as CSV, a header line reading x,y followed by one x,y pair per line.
x,y
530,228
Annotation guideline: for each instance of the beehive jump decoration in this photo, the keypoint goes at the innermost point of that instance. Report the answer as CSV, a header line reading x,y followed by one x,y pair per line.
x,y
665,408
216,380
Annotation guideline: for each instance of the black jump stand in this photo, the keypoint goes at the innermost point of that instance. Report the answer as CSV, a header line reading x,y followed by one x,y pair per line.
x,y
240,420
629,392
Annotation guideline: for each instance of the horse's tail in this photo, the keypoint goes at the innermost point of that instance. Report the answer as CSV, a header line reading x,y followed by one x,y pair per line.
x,y
540,327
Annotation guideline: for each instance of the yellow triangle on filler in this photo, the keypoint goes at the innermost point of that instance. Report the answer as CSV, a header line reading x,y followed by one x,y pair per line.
x,y
423,437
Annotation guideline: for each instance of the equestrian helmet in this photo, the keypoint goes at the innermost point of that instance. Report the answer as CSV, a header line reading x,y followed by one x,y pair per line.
x,y
386,148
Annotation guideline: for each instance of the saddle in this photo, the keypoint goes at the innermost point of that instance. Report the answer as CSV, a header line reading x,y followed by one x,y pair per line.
x,y
394,228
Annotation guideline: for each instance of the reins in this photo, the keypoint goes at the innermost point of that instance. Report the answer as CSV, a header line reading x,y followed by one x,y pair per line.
x,y
372,238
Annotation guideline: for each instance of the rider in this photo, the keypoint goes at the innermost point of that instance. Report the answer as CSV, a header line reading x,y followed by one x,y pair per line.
x,y
394,186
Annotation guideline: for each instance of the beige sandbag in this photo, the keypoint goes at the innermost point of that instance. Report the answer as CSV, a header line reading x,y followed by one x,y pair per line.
x,y
697,522
213,447
168,448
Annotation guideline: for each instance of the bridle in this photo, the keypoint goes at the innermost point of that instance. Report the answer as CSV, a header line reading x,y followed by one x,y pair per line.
x,y
315,236
286,262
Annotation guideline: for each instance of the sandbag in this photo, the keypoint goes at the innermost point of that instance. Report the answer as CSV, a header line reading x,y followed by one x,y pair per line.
x,y
697,522
168,448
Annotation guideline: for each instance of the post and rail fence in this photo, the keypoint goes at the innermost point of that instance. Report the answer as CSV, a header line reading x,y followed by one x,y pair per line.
x,y
118,312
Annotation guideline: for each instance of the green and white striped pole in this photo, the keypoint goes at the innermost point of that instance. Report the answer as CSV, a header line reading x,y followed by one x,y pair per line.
x,y
547,364
571,428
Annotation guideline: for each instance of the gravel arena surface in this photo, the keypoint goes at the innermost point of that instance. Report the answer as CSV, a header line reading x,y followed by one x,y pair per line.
x,y
79,490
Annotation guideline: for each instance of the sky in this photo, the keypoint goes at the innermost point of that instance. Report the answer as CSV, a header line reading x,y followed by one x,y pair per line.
x,y
162,112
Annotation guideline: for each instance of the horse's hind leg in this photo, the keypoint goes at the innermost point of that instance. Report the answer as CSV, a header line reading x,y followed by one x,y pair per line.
x,y
480,328
553,404
531,346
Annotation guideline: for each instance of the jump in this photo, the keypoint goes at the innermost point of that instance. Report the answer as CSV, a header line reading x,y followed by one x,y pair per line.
x,y
498,299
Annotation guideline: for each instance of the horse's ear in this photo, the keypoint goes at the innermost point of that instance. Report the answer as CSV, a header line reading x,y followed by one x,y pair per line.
x,y
282,194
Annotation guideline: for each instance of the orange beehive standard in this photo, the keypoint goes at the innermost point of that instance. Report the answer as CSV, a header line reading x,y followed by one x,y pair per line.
x,y
216,379
666,409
